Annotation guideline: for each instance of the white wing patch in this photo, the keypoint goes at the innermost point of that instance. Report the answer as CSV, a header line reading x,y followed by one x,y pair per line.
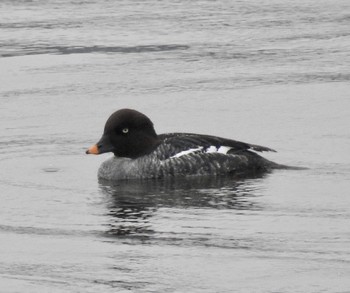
x,y
211,149
224,149
189,151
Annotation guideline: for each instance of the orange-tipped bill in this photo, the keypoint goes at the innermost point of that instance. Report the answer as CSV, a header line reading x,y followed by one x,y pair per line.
x,y
93,150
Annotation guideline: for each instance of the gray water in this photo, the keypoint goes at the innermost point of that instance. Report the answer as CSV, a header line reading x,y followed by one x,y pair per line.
x,y
274,73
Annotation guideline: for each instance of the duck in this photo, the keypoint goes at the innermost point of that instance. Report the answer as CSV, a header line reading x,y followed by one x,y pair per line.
x,y
141,153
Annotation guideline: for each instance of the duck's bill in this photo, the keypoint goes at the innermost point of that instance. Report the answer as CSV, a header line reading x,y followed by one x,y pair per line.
x,y
104,145
93,150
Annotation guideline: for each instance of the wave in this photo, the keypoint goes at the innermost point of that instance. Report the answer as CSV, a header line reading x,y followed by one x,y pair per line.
x,y
65,50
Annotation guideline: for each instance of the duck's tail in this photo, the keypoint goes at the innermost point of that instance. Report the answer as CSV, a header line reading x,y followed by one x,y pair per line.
x,y
285,167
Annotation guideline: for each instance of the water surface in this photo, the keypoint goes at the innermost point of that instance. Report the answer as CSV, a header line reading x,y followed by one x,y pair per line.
x,y
273,73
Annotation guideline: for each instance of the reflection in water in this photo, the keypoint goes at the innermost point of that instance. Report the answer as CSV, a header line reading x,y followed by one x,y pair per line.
x,y
131,204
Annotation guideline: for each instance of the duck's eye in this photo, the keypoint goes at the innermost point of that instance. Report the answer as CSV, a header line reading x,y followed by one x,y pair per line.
x,y
125,130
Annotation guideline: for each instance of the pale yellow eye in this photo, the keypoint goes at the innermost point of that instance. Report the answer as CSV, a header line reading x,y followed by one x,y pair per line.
x,y
125,130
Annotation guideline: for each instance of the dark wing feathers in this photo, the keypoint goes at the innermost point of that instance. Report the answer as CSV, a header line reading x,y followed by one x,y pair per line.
x,y
184,141
259,148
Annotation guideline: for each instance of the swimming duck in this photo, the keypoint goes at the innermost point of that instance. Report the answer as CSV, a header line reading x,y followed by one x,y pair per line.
x,y
139,153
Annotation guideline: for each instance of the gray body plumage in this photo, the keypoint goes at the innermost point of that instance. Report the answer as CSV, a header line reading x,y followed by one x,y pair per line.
x,y
182,154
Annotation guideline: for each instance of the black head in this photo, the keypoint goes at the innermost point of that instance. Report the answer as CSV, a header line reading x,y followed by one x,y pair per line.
x,y
127,133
